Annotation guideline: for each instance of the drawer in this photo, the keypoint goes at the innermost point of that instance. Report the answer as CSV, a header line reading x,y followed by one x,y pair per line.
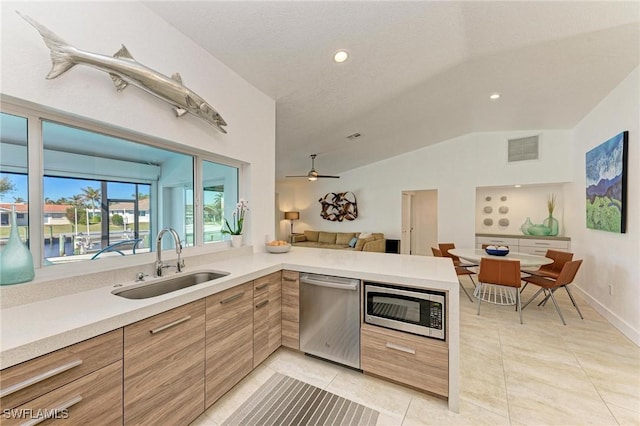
x,y
539,251
31,379
501,241
178,326
405,358
262,284
94,399
545,244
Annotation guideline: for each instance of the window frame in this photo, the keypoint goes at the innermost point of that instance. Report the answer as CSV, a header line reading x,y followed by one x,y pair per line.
x,y
35,115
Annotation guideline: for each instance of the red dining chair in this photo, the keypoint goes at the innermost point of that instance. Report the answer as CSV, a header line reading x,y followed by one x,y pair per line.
x,y
550,285
499,281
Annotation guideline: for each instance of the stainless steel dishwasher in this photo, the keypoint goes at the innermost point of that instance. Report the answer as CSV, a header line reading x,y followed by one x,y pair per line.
x,y
330,318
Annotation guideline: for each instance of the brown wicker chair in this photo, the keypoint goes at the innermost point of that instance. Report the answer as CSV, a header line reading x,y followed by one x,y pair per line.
x,y
445,247
551,270
494,276
460,271
550,285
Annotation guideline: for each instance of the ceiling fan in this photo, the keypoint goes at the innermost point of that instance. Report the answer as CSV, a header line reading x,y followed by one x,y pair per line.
x,y
313,175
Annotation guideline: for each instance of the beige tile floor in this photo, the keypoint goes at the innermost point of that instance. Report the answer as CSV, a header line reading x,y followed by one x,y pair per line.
x,y
538,373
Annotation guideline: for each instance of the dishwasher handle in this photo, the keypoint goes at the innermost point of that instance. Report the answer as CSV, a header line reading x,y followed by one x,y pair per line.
x,y
351,285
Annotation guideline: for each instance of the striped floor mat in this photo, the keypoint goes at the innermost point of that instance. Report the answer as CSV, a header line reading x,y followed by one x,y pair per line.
x,y
286,401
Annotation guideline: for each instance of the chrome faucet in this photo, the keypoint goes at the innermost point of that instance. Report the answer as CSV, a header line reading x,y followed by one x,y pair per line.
x,y
176,240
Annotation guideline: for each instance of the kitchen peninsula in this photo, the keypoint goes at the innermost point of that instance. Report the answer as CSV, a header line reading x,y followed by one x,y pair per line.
x,y
38,328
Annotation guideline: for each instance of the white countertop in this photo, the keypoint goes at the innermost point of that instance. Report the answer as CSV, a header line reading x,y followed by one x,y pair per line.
x,y
34,329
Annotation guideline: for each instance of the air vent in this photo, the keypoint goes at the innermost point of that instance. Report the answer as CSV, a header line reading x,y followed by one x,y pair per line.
x,y
523,149
354,136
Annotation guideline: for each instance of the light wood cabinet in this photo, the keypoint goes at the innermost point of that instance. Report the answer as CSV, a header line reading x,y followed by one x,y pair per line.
x,y
34,378
229,340
405,358
529,245
291,309
94,399
267,314
164,367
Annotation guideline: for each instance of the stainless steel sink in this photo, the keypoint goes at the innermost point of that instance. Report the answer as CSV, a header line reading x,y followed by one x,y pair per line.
x,y
167,285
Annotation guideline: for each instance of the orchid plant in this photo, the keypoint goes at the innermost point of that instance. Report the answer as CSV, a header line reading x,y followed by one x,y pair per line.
x,y
238,218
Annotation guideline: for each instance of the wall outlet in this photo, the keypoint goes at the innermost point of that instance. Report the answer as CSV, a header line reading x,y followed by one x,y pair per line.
x,y
610,289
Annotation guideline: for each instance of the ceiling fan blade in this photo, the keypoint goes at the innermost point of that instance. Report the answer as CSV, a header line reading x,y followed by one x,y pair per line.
x,y
328,176
304,176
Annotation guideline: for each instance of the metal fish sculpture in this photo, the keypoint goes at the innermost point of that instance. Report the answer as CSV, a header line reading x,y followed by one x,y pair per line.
x,y
124,70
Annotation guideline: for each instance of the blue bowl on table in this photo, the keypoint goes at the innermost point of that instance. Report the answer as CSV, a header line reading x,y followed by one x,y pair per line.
x,y
496,252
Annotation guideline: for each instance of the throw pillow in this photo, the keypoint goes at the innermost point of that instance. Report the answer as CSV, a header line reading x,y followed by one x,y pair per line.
x,y
362,241
353,242
311,236
364,235
343,238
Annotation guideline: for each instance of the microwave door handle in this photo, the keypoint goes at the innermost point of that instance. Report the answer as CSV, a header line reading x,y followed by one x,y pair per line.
x,y
311,281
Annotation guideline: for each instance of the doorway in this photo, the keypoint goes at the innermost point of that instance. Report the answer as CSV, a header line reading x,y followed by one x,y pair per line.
x,y
419,222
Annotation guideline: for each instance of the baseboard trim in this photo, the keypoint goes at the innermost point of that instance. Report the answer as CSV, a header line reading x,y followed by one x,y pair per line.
x,y
624,327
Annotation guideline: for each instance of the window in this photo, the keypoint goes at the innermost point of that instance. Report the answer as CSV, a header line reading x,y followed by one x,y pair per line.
x,y
96,187
105,193
14,193
220,196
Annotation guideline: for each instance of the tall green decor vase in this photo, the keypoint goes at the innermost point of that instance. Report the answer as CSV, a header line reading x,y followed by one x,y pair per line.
x,y
16,262
552,223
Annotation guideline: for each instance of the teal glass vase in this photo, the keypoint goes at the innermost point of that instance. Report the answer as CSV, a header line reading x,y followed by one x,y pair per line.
x,y
16,262
552,223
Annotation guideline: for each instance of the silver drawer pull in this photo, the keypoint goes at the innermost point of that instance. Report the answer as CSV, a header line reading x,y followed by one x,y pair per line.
x,y
261,286
232,298
541,244
51,413
400,348
39,378
261,304
171,324
289,279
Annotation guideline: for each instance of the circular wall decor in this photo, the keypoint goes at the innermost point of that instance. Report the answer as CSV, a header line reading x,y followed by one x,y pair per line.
x,y
503,209
488,209
487,198
488,222
503,222
503,198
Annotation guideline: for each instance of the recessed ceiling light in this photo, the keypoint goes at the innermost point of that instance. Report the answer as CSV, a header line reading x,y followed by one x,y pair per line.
x,y
517,186
494,96
340,56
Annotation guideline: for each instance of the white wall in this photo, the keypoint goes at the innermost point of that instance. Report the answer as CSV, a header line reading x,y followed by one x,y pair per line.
x,y
454,167
609,258
102,27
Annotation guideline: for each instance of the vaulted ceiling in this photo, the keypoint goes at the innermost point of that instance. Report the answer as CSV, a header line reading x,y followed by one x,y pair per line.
x,y
418,73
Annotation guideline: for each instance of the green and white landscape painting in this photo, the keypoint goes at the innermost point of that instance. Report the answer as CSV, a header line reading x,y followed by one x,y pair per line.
x,y
606,184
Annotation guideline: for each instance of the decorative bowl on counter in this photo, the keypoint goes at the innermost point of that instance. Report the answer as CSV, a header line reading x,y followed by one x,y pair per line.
x,y
278,247
497,251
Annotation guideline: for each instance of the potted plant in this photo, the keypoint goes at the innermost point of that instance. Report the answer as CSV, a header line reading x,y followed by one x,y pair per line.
x,y
238,221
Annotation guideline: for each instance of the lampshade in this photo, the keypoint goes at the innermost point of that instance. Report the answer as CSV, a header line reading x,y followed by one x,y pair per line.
x,y
292,215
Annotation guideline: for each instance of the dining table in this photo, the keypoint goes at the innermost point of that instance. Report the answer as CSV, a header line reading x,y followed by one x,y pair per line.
x,y
526,260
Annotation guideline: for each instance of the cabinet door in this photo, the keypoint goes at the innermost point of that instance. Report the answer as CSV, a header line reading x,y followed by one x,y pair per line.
x,y
229,339
31,379
267,314
164,367
291,309
94,399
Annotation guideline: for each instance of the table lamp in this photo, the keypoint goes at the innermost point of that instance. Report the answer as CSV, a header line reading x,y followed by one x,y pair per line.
x,y
291,216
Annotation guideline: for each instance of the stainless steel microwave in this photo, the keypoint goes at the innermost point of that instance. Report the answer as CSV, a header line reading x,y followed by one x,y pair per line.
x,y
406,309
